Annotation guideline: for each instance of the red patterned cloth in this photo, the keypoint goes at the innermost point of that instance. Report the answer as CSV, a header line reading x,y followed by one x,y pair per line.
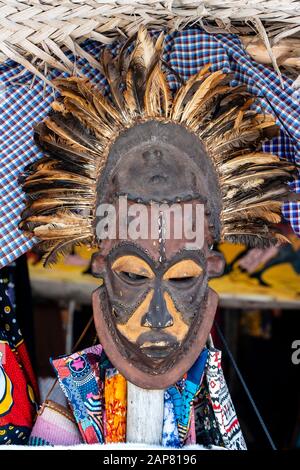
x,y
18,387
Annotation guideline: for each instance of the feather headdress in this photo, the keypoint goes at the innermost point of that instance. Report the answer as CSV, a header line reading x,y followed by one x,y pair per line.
x,y
78,135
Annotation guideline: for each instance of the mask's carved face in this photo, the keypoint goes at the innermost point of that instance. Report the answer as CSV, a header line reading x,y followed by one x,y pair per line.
x,y
154,304
154,301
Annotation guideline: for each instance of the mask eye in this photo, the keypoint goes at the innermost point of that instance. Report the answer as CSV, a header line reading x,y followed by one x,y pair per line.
x,y
128,276
182,280
183,273
132,269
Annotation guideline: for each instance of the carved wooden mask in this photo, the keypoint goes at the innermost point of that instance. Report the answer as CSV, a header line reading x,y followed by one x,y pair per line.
x,y
155,310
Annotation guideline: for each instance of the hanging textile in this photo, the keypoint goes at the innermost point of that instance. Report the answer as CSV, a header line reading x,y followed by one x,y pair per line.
x,y
18,388
79,377
89,375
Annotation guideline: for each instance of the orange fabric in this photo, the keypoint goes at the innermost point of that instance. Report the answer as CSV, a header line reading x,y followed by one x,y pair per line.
x,y
115,395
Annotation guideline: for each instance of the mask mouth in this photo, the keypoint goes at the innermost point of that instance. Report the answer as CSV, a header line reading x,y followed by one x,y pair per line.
x,y
157,344
158,352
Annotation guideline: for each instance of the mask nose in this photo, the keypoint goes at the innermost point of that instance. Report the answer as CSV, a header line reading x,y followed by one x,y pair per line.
x,y
157,315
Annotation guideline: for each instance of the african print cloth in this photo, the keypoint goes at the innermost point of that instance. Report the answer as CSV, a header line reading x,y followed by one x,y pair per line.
x,y
25,101
197,409
183,394
79,377
115,399
222,405
18,387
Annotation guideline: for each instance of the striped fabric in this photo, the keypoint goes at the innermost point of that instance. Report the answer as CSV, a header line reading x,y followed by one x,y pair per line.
x,y
54,425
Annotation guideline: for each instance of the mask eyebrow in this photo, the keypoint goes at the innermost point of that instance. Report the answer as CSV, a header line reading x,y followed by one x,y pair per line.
x,y
130,248
183,269
133,264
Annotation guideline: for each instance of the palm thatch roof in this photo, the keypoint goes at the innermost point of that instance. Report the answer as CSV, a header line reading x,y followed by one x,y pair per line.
x,y
36,33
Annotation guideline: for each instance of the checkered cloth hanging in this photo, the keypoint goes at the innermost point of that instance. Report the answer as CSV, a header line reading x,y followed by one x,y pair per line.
x,y
25,101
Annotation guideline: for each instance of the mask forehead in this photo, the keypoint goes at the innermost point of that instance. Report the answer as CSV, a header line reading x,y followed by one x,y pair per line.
x,y
161,231
172,166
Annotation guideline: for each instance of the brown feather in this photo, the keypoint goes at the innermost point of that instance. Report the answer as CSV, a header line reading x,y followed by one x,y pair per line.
x,y
157,94
59,131
63,248
114,80
100,128
206,109
281,238
272,173
143,59
273,206
248,159
128,93
177,110
207,85
241,112
257,213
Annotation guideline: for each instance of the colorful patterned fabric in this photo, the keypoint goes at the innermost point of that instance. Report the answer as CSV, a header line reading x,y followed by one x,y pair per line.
x,y
26,100
79,377
191,434
18,387
223,408
191,414
183,395
115,399
55,425
170,436
207,429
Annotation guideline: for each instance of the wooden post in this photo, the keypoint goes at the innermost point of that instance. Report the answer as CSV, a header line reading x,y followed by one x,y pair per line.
x,y
145,412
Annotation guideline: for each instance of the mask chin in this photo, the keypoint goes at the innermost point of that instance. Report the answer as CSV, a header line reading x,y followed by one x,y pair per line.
x,y
157,346
153,352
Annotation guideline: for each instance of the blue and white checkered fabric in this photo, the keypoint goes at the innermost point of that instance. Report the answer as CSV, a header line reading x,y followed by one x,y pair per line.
x,y
24,101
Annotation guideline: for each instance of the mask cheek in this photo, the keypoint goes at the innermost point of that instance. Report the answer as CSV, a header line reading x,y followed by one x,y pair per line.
x,y
188,301
179,328
133,328
123,298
